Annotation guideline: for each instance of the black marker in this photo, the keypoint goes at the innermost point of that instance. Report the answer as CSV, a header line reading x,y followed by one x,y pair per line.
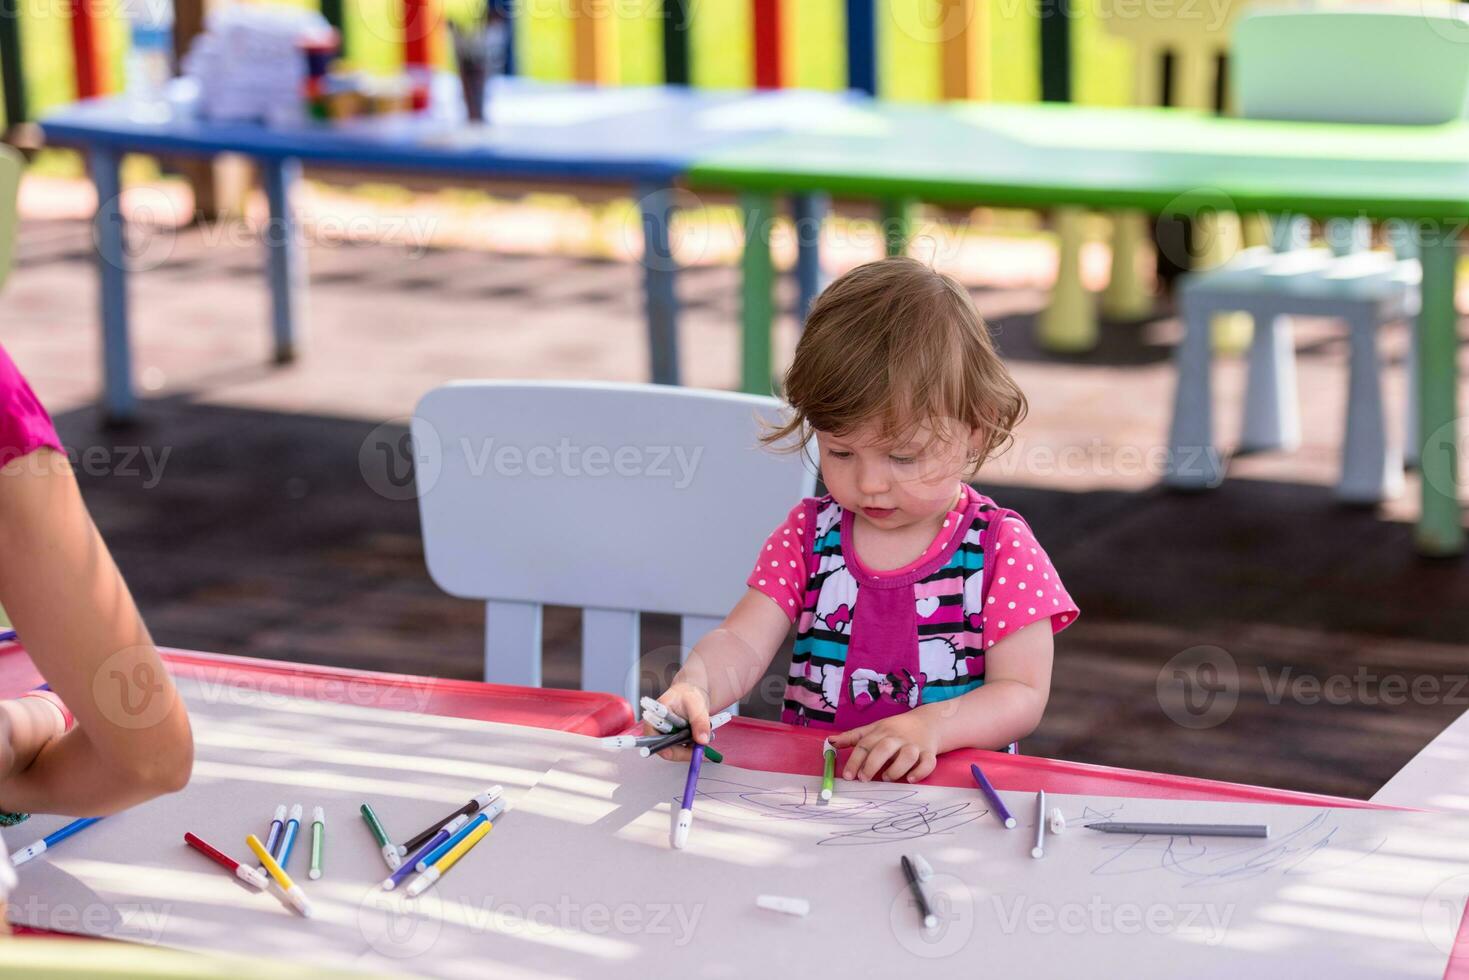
x,y
930,921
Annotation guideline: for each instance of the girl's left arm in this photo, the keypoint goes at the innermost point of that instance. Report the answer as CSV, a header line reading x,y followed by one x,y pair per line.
x,y
1017,684
1009,705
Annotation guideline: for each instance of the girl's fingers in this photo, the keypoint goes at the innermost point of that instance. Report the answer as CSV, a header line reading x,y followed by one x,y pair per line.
x,y
849,737
926,763
877,757
902,762
854,762
698,723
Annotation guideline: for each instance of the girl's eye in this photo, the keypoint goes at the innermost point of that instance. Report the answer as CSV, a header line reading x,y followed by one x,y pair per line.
x,y
901,459
839,453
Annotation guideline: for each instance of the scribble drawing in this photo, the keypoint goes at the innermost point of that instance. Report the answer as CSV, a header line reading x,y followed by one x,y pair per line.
x,y
1211,860
873,814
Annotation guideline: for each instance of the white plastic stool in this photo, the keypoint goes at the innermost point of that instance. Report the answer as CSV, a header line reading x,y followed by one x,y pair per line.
x,y
1365,289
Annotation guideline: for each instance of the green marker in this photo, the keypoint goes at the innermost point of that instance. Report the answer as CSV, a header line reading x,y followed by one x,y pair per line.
x,y
712,755
828,770
318,829
391,857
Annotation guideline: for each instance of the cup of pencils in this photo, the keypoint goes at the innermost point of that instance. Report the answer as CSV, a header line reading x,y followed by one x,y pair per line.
x,y
474,51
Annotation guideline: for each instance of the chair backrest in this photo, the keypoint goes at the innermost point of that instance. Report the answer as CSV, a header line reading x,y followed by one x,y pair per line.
x,y
1195,37
1405,65
617,498
11,165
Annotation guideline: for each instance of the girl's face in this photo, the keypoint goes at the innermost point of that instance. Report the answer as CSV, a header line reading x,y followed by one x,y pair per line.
x,y
896,485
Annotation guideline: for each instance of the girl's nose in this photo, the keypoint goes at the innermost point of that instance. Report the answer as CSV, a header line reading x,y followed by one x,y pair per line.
x,y
873,479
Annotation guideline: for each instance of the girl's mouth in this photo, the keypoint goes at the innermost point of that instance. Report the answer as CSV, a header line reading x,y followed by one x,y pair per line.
x,y
878,513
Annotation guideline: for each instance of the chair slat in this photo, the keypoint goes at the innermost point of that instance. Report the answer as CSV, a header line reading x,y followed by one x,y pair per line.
x,y
692,629
609,652
513,643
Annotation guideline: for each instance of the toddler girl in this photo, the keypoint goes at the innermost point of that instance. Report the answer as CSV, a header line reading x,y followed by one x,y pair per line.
x,y
924,612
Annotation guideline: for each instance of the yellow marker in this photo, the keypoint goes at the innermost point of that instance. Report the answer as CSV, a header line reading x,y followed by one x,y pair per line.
x,y
289,888
434,873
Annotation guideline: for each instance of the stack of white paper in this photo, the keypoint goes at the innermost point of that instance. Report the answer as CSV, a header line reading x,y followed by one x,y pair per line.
x,y
248,65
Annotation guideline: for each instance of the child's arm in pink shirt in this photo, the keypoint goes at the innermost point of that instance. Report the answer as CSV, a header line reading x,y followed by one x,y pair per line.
x,y
731,659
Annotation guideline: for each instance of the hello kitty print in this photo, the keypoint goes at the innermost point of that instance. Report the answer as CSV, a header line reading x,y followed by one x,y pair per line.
x,y
872,644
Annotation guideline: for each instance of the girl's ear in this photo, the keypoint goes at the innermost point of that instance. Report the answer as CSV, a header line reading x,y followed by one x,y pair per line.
x,y
976,442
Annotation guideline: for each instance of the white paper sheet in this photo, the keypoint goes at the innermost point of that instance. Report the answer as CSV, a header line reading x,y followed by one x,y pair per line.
x,y
578,878
132,877
1338,893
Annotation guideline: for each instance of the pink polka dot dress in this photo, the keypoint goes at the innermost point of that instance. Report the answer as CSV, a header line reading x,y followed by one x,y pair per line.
x,y
871,644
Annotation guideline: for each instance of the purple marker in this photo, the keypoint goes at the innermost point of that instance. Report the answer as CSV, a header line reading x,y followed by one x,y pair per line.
x,y
989,791
686,809
273,838
411,864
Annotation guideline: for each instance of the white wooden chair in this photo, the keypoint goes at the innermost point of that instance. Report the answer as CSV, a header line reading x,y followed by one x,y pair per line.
x,y
618,498
1383,65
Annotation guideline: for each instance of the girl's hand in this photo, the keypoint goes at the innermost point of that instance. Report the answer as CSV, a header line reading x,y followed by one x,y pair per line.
x,y
905,744
692,703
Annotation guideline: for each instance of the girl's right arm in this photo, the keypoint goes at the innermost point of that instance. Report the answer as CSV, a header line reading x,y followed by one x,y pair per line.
x,y
725,664
70,605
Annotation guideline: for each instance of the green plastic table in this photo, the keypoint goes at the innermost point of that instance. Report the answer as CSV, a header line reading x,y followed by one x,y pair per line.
x,y
1155,160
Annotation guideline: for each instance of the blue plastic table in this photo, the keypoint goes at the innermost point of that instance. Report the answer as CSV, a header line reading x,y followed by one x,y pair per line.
x,y
645,138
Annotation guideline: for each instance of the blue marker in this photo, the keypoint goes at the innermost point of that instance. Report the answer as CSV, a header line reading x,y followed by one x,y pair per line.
x,y
288,838
491,812
51,840
444,833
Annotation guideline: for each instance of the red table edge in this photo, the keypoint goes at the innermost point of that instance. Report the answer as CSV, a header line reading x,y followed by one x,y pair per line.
x,y
800,753
581,712
607,714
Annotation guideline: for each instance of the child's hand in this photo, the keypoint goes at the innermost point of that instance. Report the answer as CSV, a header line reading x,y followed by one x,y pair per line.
x,y
904,743
693,704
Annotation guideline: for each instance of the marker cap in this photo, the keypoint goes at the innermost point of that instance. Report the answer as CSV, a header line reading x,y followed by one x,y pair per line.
x,y
780,903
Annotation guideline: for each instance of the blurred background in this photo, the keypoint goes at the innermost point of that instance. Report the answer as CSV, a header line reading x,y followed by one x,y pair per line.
x,y
244,503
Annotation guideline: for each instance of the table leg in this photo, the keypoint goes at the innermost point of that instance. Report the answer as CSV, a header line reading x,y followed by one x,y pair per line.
x,y
285,267
758,307
1440,530
660,271
897,224
1069,323
118,402
809,211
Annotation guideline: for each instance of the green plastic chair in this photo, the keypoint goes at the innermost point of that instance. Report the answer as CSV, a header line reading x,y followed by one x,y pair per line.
x,y
11,164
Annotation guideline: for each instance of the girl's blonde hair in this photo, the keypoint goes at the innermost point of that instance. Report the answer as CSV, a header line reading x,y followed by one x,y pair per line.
x,y
896,343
